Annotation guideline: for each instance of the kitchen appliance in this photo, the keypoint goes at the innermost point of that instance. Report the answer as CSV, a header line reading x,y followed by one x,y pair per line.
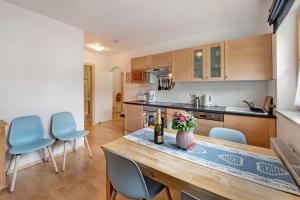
x,y
208,100
269,105
142,97
151,96
150,112
196,101
206,121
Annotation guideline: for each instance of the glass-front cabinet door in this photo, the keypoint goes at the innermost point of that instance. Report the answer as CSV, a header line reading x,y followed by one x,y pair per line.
x,y
198,63
215,61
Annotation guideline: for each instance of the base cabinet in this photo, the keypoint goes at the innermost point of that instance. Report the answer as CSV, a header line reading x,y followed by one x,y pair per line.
x,y
204,126
133,117
257,130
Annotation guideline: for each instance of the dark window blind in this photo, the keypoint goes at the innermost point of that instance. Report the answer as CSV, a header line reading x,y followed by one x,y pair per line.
x,y
278,12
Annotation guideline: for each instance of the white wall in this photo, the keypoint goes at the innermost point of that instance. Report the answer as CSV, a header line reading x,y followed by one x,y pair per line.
x,y
103,85
236,31
286,61
229,93
287,78
41,68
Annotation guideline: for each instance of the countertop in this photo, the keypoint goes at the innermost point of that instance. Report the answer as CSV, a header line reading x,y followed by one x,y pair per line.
x,y
191,107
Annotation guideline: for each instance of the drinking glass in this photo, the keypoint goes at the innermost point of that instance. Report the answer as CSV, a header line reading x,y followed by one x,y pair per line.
x,y
146,119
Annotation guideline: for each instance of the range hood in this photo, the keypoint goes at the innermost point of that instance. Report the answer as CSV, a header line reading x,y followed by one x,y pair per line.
x,y
159,71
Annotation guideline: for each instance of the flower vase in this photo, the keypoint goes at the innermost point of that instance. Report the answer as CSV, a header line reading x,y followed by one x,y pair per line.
x,y
184,139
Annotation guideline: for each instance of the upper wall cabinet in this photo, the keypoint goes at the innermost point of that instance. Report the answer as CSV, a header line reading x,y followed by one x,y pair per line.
x,y
215,62
198,63
249,58
181,65
140,63
207,62
161,60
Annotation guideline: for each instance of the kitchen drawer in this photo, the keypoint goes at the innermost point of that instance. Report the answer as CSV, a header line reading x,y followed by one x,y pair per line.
x,y
204,126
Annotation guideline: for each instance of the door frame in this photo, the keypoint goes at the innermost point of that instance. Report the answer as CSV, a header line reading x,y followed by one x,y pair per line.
x,y
92,91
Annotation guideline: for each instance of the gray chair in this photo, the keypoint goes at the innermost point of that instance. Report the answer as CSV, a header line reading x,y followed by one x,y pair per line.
x,y
127,179
228,134
185,196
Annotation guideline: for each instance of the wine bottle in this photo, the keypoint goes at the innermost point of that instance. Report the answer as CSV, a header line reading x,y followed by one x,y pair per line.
x,y
158,129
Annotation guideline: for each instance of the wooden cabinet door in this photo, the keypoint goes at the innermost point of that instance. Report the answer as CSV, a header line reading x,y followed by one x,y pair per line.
x,y
140,63
134,119
257,130
161,60
181,65
138,76
198,63
215,62
204,126
249,58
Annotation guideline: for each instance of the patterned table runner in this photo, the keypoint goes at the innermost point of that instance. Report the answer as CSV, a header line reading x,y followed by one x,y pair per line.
x,y
261,169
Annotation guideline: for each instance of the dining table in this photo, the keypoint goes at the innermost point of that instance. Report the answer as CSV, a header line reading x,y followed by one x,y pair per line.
x,y
197,180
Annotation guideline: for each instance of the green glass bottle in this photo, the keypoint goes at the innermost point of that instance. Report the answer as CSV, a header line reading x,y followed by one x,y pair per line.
x,y
158,129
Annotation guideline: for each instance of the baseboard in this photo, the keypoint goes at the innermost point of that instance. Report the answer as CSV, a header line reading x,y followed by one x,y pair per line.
x,y
41,160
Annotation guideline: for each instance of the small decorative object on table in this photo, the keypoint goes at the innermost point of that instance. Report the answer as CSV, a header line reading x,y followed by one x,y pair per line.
x,y
185,124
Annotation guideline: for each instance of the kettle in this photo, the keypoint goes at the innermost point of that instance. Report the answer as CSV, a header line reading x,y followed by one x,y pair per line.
x,y
208,100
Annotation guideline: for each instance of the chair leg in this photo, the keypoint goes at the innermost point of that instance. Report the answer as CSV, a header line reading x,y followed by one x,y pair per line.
x,y
53,146
52,158
44,156
10,163
88,146
168,193
74,147
113,195
13,182
65,157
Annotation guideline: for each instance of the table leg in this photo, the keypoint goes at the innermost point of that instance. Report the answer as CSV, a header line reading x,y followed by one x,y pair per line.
x,y
108,187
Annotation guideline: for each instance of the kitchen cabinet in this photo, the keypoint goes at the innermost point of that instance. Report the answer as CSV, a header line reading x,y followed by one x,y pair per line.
x,y
208,62
249,58
161,60
134,119
258,130
204,126
138,76
198,63
181,65
140,63
215,62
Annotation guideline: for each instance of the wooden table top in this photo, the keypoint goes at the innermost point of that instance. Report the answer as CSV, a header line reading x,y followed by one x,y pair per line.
x,y
200,181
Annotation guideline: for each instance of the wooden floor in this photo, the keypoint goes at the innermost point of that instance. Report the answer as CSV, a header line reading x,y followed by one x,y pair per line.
x,y
84,178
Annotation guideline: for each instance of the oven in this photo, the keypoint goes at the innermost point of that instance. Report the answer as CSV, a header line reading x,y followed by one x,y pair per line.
x,y
150,114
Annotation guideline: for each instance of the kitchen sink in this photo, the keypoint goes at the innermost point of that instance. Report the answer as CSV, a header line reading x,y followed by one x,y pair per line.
x,y
243,110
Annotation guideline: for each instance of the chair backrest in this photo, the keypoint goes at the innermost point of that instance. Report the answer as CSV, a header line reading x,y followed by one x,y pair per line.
x,y
228,134
125,176
63,123
25,130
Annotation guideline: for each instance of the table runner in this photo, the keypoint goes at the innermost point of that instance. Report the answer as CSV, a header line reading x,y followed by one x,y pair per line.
x,y
265,170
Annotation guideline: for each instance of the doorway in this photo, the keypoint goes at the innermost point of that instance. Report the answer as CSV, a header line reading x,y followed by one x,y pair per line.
x,y
89,85
118,91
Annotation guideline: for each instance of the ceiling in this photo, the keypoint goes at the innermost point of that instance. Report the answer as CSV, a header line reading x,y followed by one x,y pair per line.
x,y
140,23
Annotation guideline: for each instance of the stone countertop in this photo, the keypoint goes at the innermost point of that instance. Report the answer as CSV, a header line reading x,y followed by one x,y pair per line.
x,y
191,107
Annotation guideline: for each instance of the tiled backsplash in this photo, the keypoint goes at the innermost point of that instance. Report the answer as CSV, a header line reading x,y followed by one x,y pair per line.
x,y
226,93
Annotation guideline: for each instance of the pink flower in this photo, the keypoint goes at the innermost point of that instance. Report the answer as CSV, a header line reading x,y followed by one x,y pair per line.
x,y
182,118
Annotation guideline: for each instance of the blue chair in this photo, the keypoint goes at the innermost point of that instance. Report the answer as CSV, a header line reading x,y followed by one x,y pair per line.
x,y
26,135
127,179
64,129
228,134
185,196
